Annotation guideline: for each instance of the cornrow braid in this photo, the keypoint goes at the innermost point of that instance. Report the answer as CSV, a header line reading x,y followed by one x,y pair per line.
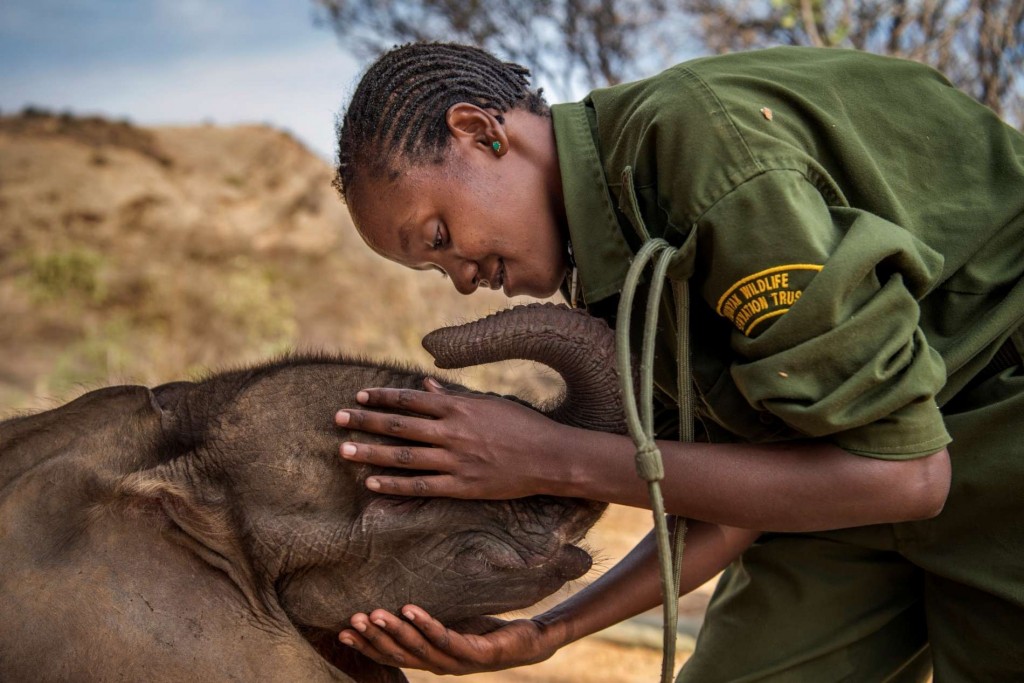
x,y
397,114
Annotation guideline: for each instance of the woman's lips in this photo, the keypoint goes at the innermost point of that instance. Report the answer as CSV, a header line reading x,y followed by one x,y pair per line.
x,y
497,280
502,277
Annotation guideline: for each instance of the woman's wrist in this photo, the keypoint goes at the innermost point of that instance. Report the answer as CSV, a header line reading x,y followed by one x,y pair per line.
x,y
556,629
598,466
562,465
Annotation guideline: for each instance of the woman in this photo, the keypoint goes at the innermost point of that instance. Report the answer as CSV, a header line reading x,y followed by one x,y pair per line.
x,y
853,226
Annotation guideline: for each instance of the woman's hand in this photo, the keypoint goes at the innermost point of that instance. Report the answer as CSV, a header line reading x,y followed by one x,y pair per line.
x,y
421,642
479,446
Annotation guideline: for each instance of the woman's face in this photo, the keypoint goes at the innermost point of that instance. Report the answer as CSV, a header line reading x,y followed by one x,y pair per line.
x,y
485,219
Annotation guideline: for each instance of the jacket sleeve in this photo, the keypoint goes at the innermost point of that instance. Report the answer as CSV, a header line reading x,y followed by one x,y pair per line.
x,y
823,306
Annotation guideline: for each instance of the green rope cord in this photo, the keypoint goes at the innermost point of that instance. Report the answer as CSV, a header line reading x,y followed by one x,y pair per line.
x,y
649,463
684,392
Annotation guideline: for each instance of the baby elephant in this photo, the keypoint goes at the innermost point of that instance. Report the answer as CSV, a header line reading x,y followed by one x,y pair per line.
x,y
210,530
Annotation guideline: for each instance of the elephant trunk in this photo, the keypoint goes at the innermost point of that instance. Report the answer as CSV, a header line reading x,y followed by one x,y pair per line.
x,y
579,347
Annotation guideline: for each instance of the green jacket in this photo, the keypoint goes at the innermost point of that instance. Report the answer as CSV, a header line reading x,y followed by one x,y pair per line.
x,y
854,227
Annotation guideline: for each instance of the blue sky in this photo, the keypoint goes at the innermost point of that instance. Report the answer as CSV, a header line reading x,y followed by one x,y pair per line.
x,y
177,61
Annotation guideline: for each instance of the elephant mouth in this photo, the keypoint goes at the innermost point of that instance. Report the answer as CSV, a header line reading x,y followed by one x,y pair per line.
x,y
573,562
489,555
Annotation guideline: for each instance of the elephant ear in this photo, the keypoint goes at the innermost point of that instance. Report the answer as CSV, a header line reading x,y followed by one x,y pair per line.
x,y
355,665
120,419
205,528
168,395
180,433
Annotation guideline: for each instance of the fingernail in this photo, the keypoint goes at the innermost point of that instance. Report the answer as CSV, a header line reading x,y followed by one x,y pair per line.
x,y
380,622
410,615
346,641
348,449
359,626
434,383
362,397
373,484
342,417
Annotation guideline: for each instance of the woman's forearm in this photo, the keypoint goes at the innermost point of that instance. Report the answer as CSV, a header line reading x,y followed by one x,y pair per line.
x,y
792,486
634,585
489,448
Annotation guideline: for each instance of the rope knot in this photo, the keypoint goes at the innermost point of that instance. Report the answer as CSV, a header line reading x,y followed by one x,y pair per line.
x,y
648,462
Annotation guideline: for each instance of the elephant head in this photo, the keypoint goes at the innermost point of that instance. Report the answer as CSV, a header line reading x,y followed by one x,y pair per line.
x,y
227,497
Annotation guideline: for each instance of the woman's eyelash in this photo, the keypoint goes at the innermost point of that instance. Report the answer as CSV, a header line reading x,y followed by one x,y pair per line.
x,y
438,239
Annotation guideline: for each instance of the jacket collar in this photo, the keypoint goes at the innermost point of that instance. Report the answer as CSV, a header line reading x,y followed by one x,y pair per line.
x,y
601,252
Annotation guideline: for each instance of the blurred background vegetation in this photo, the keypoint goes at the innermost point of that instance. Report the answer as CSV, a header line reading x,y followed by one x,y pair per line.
x,y
978,44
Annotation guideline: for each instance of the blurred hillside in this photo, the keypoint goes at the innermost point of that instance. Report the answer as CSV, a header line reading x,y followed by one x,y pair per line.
x,y
143,255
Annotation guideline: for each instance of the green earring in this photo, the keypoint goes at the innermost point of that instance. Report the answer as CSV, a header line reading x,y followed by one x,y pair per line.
x,y
496,146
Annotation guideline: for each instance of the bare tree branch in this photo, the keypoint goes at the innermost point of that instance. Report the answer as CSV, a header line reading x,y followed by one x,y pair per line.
x,y
810,24
978,44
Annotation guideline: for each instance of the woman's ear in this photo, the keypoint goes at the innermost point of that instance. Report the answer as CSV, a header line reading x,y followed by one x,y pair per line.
x,y
476,128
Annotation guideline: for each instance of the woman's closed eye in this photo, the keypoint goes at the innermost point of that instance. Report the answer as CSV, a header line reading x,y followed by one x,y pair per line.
x,y
439,238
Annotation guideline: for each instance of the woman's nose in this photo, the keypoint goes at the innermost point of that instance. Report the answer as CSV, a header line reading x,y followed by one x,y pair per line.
x,y
468,278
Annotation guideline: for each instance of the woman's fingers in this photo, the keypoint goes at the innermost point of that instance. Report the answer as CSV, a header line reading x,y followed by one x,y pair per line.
x,y
433,386
410,638
432,630
467,446
387,424
432,403
373,641
420,641
389,640
434,486
443,485
390,455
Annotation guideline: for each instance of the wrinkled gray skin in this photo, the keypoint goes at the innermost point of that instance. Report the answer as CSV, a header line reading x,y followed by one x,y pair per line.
x,y
210,531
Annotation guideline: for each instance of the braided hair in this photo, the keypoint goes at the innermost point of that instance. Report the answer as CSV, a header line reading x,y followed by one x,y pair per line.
x,y
397,114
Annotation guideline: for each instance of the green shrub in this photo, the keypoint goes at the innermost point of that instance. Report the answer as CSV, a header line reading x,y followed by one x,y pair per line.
x,y
63,274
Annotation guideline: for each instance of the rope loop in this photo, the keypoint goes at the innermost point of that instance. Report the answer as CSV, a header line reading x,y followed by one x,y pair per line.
x,y
649,465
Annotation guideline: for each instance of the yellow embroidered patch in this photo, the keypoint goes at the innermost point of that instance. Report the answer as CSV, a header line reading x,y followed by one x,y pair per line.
x,y
764,295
